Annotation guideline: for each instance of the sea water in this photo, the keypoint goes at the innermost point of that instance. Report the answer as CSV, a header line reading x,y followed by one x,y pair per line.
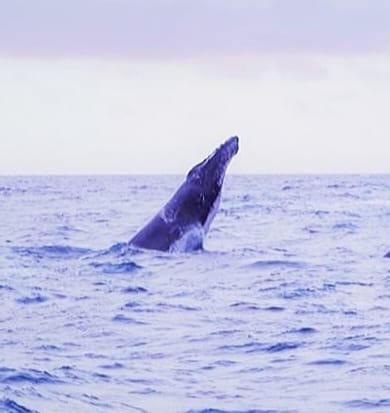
x,y
286,310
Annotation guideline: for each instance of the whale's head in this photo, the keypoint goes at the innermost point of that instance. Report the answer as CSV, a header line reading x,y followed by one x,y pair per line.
x,y
211,171
206,180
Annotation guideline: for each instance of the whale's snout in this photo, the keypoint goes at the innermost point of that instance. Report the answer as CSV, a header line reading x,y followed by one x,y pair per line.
x,y
234,143
214,166
230,147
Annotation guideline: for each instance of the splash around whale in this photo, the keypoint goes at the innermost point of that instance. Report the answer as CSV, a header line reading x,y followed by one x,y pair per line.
x,y
183,222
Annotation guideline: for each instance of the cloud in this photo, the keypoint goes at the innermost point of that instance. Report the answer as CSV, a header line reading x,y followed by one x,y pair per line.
x,y
92,116
179,28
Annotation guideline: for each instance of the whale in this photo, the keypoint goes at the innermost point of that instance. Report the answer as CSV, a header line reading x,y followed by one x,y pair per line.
x,y
183,222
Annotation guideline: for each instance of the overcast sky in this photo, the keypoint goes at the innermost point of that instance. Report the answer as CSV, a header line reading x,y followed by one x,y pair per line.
x,y
152,86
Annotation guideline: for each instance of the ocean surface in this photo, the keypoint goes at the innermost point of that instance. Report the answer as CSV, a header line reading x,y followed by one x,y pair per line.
x,y
286,310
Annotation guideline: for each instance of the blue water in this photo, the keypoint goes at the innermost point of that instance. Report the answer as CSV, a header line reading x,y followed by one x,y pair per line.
x,y
287,309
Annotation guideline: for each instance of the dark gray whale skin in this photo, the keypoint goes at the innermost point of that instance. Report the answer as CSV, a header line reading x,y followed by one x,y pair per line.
x,y
185,219
387,255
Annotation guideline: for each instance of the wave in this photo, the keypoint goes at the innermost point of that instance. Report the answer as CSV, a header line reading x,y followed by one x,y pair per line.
x,y
121,268
67,252
348,226
303,330
52,252
36,299
8,191
368,404
274,308
327,362
32,376
275,263
245,306
261,347
211,410
120,249
6,287
134,290
120,318
10,406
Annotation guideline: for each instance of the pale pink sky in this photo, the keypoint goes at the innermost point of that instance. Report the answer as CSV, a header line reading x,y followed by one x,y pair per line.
x,y
187,28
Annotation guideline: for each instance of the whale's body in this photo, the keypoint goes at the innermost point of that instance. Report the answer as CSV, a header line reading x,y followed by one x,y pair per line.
x,y
183,222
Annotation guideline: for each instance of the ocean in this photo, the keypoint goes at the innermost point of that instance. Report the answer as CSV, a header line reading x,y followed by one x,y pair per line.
x,y
286,310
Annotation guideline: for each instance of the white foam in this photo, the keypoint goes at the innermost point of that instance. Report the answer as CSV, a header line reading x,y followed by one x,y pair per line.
x,y
192,239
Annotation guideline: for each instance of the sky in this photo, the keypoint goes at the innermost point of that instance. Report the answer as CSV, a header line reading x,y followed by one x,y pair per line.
x,y
153,86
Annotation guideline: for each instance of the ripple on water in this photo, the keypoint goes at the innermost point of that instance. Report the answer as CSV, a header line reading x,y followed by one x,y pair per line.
x,y
274,309
211,410
10,406
345,226
121,318
8,375
303,330
245,306
52,251
134,290
264,264
121,268
113,366
35,299
255,347
6,288
367,403
327,362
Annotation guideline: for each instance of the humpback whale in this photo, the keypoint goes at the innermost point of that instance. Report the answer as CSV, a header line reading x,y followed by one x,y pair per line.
x,y
185,219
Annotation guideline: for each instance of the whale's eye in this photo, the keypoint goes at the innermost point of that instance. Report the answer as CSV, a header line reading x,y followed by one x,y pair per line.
x,y
193,173
197,171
